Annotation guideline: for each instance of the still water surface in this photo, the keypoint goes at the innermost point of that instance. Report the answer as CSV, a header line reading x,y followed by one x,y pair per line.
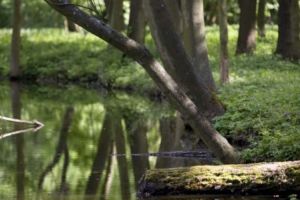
x,y
70,158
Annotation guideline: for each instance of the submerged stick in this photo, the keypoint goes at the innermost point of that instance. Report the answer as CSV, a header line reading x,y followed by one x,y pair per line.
x,y
179,154
36,125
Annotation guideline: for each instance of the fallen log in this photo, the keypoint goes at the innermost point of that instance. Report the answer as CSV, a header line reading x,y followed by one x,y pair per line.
x,y
245,179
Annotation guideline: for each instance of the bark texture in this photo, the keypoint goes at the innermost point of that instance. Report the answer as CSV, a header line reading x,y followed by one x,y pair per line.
x,y
137,21
259,178
116,18
288,44
194,39
177,97
15,69
177,62
261,18
224,55
247,33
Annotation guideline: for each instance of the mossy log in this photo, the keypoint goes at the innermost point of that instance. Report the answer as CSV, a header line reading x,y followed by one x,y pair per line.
x,y
244,179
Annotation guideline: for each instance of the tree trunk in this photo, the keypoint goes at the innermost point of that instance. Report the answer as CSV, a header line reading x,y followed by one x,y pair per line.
x,y
116,18
173,7
247,34
194,39
137,21
19,141
122,161
288,44
224,56
69,25
177,62
104,145
174,92
257,179
261,18
15,69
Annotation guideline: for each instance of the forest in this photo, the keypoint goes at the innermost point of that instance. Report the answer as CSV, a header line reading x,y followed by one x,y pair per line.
x,y
150,99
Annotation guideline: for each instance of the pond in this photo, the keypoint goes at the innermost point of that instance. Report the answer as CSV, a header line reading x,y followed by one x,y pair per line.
x,y
73,155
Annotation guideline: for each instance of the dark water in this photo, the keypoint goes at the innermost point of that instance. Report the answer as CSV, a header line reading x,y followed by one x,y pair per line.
x,y
70,158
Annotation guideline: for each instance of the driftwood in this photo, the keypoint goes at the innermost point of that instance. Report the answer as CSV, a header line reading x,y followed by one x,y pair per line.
x,y
244,179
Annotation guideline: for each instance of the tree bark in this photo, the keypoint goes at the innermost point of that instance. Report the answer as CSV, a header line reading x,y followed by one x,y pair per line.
x,y
247,34
224,55
194,39
116,18
177,62
257,179
69,25
177,97
288,44
15,68
137,21
261,18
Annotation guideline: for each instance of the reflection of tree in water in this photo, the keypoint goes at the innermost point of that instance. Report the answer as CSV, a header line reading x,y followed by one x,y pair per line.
x,y
137,132
105,143
61,149
19,140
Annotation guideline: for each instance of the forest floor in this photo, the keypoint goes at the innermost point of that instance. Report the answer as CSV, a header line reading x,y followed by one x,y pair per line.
x,y
262,99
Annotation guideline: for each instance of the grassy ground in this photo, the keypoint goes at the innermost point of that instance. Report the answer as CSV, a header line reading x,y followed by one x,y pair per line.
x,y
262,100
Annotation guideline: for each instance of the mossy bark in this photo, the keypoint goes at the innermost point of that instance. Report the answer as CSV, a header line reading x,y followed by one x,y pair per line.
x,y
258,178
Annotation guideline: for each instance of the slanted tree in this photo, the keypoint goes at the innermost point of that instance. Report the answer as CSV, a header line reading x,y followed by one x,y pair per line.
x,y
247,34
173,90
15,69
224,55
288,43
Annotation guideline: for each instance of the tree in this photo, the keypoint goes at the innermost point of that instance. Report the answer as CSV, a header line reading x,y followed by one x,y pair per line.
x,y
261,18
224,63
177,62
288,43
247,34
137,21
173,90
194,40
15,69
115,14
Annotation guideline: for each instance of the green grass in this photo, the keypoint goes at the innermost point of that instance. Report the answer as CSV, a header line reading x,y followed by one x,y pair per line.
x,y
262,100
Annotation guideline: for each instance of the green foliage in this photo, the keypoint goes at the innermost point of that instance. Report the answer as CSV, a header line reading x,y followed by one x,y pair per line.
x,y
262,100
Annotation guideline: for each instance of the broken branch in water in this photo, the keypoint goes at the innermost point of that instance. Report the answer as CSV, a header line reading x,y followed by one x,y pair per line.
x,y
36,126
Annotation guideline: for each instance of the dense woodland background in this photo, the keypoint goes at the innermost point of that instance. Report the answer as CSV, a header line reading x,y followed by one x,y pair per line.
x,y
231,68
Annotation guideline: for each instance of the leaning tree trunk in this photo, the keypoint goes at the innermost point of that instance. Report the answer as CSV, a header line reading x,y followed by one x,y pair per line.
x,y
247,34
177,62
261,18
288,44
173,91
259,178
194,39
69,25
15,69
137,21
224,55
